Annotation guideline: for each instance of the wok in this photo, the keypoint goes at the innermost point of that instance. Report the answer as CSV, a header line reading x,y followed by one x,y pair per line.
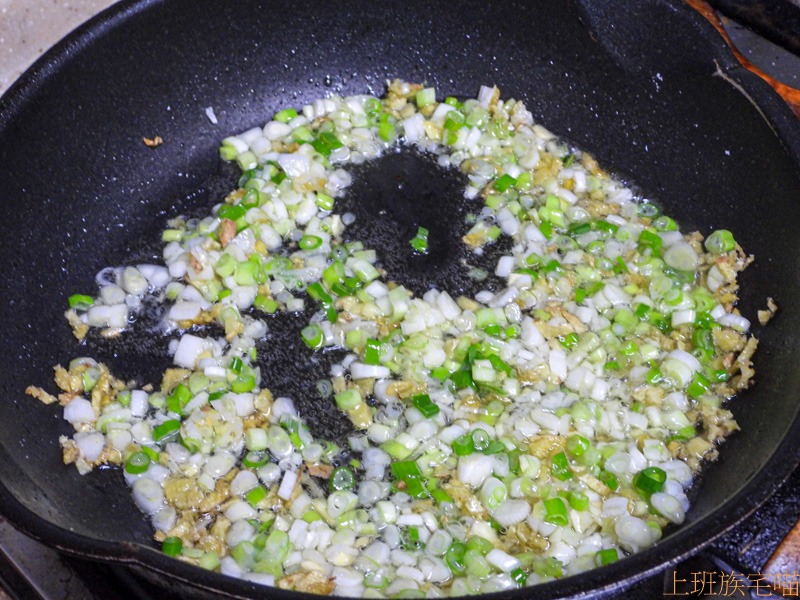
x,y
650,89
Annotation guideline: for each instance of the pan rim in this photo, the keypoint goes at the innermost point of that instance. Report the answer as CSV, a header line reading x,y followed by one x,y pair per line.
x,y
606,580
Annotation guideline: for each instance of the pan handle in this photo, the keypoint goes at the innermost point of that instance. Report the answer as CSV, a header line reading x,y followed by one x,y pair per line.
x,y
790,94
784,562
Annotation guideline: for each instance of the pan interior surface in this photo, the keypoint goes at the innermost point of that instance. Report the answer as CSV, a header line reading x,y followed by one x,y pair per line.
x,y
637,88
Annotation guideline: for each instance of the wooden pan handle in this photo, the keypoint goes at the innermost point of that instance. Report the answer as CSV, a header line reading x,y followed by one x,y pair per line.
x,y
784,562
790,94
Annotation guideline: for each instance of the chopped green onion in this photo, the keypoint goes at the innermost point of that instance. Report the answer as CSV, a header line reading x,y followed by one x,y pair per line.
x,y
243,383
285,115
420,241
699,386
570,340
604,557
342,478
454,121
555,512
650,240
405,469
232,212
425,405
606,227
650,480
500,365
504,182
330,140
441,496
579,229
372,105
347,399
463,445
387,132
664,223
480,440
179,398
209,561
373,352
560,467
151,453
578,501
495,447
172,546
520,576
165,429
646,209
476,565
454,557
253,460
80,302
324,201
313,336
609,479
425,96
577,445
720,242
479,544
310,242
416,489
256,495
137,463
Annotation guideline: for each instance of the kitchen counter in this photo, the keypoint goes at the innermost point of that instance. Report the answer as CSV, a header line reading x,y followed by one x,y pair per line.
x,y
29,27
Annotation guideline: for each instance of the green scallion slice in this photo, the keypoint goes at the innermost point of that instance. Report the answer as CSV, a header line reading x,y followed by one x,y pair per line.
x,y
555,512
420,241
577,445
609,479
373,352
504,182
342,478
480,440
463,445
348,399
285,115
455,558
519,576
559,468
405,469
253,460
243,383
425,405
172,546
167,428
80,302
387,132
605,557
720,242
578,501
310,242
137,463
650,480
313,336
256,495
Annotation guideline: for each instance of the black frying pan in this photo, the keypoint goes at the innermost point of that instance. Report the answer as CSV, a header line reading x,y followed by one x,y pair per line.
x,y
648,87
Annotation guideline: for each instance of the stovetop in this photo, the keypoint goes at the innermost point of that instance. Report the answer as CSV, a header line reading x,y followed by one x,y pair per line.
x,y
32,571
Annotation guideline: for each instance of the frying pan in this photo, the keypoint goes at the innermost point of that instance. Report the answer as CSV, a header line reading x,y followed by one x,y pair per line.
x,y
651,90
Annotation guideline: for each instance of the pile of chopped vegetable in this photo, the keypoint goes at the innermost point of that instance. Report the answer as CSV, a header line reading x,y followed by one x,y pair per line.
x,y
502,440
